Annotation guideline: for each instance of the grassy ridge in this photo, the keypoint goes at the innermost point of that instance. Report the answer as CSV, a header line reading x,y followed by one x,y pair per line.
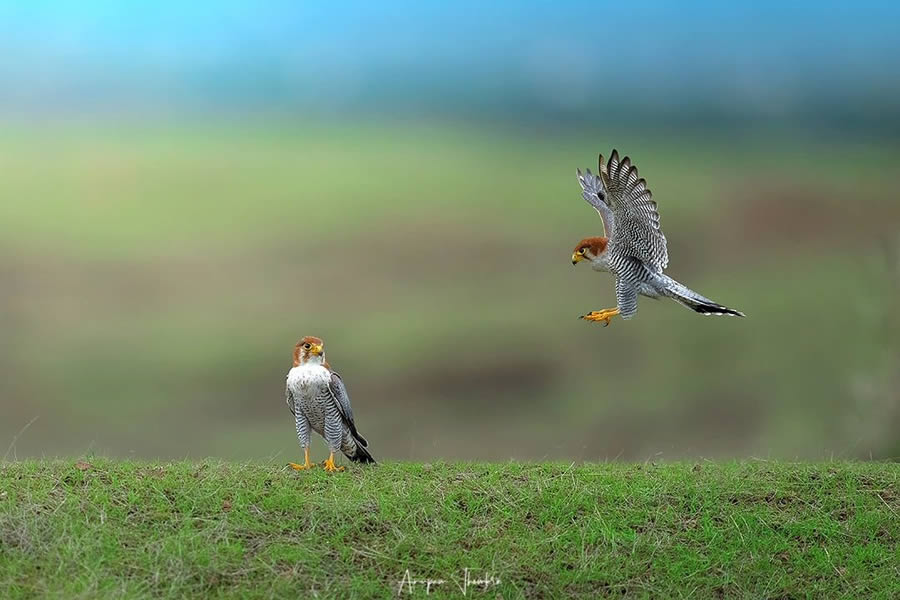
x,y
211,529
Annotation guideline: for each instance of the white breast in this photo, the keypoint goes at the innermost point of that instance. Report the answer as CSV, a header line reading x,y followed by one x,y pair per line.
x,y
308,379
600,264
309,386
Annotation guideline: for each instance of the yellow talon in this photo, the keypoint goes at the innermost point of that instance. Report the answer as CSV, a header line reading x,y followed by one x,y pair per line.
x,y
603,316
306,464
330,466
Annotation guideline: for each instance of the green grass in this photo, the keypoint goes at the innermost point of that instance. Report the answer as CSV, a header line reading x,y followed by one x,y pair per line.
x,y
227,530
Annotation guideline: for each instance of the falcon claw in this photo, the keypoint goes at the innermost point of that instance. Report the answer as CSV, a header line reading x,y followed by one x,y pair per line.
x,y
329,465
306,464
601,316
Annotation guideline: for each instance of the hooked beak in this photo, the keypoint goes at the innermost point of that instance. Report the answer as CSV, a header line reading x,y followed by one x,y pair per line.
x,y
577,258
316,350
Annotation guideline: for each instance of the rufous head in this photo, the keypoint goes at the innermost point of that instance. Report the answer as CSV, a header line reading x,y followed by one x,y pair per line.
x,y
309,350
589,249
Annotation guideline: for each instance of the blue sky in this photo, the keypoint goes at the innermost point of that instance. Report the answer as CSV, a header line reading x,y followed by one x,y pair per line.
x,y
767,55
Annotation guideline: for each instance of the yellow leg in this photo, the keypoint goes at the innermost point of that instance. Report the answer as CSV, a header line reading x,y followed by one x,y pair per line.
x,y
329,464
598,316
306,464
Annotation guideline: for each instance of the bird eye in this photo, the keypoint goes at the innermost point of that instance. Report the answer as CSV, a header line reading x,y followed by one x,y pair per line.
x,y
307,346
581,251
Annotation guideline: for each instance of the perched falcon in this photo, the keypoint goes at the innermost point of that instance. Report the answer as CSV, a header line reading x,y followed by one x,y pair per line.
x,y
318,399
634,249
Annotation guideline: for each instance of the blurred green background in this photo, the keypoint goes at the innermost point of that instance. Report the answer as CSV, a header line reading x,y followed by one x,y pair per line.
x,y
178,207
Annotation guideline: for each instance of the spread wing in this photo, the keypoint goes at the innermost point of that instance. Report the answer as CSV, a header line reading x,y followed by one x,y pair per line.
x,y
637,231
289,398
342,400
593,191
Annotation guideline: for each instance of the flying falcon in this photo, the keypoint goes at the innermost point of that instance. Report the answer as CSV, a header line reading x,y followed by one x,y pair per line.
x,y
634,249
318,399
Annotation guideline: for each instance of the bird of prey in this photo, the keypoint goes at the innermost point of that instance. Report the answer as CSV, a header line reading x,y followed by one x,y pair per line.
x,y
319,401
634,249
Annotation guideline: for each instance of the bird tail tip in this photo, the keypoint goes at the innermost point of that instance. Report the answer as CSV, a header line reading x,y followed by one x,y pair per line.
x,y
716,309
697,303
362,455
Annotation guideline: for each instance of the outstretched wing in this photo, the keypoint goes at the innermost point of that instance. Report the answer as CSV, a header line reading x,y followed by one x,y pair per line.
x,y
637,231
342,400
593,191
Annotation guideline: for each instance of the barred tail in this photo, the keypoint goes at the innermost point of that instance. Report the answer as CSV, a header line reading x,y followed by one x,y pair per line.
x,y
362,454
701,304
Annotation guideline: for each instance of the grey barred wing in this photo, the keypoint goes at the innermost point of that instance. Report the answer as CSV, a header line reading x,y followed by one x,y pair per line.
x,y
593,191
342,401
637,230
289,398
